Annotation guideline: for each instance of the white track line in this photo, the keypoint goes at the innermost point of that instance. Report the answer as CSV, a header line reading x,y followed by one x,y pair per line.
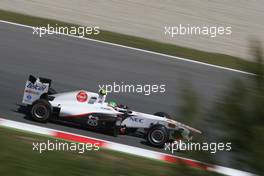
x,y
25,127
137,49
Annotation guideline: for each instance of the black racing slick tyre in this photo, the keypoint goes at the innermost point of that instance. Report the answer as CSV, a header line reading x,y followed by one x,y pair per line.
x,y
162,114
157,135
41,110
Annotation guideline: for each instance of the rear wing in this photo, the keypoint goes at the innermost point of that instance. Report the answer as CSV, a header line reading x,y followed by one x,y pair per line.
x,y
34,88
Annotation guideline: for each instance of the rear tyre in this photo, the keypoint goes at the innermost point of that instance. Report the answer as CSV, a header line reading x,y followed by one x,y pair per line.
x,y
41,110
157,135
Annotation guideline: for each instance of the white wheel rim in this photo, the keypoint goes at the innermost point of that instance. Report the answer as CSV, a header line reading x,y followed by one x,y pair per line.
x,y
157,136
40,111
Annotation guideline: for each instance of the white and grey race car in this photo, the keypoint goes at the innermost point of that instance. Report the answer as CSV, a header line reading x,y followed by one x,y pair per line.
x,y
89,110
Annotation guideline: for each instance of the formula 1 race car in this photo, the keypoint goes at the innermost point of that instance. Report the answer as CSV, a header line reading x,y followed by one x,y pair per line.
x,y
89,110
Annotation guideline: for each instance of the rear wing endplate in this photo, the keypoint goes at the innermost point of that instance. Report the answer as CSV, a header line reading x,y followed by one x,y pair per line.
x,y
34,88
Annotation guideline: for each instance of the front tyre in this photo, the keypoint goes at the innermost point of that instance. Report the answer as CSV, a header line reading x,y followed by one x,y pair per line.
x,y
41,110
157,135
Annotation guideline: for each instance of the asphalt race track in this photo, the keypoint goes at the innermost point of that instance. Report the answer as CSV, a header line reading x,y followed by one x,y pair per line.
x,y
74,63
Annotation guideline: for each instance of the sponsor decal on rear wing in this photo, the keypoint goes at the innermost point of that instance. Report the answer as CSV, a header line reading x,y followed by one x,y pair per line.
x,y
34,88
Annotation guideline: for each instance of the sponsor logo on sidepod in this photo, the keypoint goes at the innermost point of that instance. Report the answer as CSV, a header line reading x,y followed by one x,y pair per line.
x,y
92,121
137,120
82,96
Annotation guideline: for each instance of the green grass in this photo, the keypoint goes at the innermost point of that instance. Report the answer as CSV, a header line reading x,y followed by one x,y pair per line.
x,y
207,57
18,158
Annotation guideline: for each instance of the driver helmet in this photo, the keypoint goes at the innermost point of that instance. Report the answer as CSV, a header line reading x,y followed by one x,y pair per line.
x,y
113,104
102,92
